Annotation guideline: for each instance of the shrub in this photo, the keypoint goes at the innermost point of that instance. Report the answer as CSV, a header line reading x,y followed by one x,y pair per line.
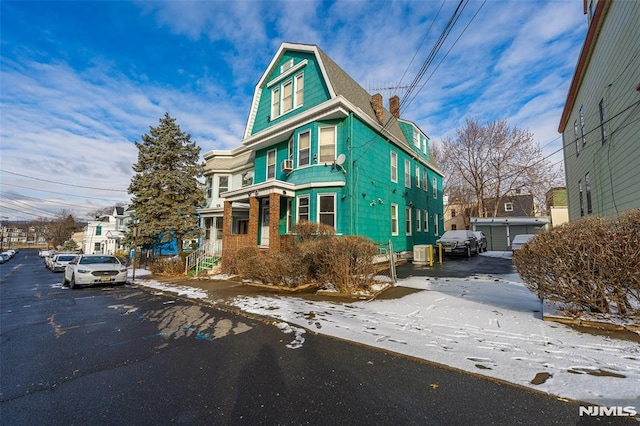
x,y
310,231
283,269
167,266
590,265
345,262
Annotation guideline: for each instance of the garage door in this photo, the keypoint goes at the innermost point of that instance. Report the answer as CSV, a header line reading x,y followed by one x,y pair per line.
x,y
496,237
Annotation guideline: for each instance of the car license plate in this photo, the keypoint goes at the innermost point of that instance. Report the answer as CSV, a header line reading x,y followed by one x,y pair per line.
x,y
105,278
447,250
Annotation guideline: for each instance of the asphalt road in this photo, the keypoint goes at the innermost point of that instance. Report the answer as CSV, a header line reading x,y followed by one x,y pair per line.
x,y
120,355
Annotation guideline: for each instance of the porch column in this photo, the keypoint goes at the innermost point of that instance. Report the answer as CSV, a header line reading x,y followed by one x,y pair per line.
x,y
228,249
274,222
254,219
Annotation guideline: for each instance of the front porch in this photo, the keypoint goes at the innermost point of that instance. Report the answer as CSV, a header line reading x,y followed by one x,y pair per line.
x,y
267,215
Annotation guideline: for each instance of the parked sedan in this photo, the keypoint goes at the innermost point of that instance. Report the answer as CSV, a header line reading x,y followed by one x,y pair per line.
x,y
89,269
61,260
459,242
482,241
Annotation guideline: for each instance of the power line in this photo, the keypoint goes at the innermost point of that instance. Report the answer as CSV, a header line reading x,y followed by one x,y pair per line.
x,y
60,193
61,183
19,211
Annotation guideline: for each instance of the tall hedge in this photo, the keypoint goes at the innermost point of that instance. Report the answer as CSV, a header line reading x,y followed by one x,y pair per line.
x,y
589,265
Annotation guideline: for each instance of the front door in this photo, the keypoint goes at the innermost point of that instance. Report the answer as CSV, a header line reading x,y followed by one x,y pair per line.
x,y
264,229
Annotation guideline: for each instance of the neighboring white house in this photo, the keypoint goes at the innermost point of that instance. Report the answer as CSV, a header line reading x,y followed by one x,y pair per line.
x,y
225,171
105,235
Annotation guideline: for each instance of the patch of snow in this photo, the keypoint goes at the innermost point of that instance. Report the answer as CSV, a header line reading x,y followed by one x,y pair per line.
x,y
187,291
487,325
298,333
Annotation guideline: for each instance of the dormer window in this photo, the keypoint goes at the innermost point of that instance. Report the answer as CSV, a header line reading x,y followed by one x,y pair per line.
x,y
287,95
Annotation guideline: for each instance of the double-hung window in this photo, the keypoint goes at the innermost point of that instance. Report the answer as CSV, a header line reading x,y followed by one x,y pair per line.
x,y
304,148
407,173
575,136
327,144
426,221
425,182
603,131
417,177
303,208
394,166
407,220
582,126
418,220
508,206
581,200
327,209
434,184
271,164
223,185
287,95
394,219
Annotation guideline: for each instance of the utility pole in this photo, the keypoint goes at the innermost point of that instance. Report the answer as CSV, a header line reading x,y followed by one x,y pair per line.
x,y
133,252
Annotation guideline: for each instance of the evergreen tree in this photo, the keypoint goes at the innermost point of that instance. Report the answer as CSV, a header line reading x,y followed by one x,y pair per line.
x,y
165,188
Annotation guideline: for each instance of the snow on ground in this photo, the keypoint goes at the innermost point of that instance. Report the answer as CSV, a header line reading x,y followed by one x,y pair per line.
x,y
179,290
486,325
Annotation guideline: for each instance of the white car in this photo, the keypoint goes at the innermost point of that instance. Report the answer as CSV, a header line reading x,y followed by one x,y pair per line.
x,y
520,240
61,261
89,269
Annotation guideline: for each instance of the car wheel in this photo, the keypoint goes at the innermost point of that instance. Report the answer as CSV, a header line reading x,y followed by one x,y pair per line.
x,y
468,251
72,283
64,281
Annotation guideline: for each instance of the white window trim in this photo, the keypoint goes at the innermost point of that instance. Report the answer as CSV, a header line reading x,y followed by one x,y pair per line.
x,y
426,221
434,183
394,207
308,197
417,176
394,159
418,220
335,143
335,207
288,73
508,206
408,220
298,149
280,91
275,164
436,228
217,188
407,174
425,180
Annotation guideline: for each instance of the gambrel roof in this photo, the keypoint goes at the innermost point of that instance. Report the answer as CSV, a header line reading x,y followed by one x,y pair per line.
x,y
339,84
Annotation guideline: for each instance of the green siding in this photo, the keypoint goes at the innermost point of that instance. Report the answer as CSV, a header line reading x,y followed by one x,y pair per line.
x,y
315,91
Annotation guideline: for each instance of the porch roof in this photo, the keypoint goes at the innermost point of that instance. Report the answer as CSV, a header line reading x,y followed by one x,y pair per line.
x,y
259,190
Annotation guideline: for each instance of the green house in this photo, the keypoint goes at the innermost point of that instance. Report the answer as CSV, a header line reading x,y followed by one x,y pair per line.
x,y
319,147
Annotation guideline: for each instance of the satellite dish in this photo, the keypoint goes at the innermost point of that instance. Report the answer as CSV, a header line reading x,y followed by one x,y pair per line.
x,y
340,159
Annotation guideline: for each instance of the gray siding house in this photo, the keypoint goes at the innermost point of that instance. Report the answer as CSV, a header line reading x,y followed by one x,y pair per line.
x,y
600,123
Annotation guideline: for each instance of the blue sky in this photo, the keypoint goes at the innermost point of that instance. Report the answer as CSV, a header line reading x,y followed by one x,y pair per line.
x,y
80,81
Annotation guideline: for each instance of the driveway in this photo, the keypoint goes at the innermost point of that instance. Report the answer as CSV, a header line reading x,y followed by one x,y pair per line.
x,y
488,263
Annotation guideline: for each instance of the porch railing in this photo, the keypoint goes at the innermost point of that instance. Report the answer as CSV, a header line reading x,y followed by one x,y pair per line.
x,y
204,258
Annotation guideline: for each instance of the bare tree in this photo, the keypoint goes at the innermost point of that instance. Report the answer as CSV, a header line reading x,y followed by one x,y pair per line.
x,y
494,161
60,229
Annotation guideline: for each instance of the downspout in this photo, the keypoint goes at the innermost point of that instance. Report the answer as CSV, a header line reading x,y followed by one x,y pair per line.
x,y
351,189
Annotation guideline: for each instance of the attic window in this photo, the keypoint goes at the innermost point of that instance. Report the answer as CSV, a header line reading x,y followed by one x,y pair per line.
x,y
508,207
286,65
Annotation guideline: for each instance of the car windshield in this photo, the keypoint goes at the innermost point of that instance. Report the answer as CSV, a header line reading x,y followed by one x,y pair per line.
x,y
65,258
98,259
455,234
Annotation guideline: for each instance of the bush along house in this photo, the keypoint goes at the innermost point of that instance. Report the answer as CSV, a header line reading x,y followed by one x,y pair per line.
x,y
318,147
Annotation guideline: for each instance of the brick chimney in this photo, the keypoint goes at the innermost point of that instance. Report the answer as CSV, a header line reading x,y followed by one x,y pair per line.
x,y
376,103
394,106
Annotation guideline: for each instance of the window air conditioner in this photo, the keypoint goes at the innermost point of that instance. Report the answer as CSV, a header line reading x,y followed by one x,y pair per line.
x,y
287,166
